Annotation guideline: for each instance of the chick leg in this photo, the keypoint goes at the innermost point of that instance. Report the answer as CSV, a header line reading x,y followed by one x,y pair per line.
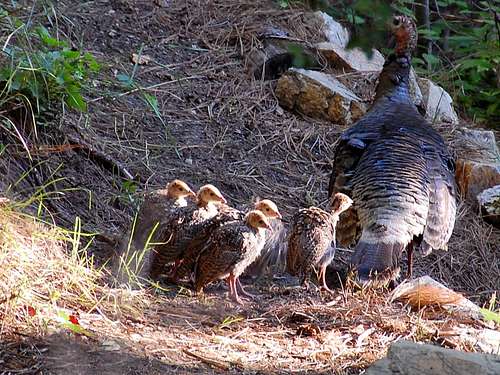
x,y
322,277
233,292
242,290
409,262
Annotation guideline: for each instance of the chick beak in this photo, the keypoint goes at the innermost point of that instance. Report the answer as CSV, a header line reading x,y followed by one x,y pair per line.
x,y
269,228
223,200
192,194
278,216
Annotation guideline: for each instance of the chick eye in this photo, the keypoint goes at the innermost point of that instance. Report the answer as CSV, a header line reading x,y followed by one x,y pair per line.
x,y
212,194
395,22
261,222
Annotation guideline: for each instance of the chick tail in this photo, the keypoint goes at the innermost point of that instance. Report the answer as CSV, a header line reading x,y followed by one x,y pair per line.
x,y
273,255
376,262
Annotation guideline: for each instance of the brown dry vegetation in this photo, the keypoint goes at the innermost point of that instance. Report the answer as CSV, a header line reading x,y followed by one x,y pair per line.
x,y
220,126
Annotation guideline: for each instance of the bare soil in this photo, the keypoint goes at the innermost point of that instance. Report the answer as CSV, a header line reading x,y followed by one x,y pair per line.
x,y
218,125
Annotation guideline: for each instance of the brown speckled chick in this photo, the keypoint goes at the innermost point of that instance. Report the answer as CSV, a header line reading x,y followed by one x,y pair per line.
x,y
157,209
311,242
180,230
225,215
231,249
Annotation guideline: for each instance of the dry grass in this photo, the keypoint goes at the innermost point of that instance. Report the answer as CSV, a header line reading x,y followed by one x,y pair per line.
x,y
44,272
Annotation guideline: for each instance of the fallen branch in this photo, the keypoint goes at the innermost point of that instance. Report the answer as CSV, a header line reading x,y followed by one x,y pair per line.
x,y
98,157
213,362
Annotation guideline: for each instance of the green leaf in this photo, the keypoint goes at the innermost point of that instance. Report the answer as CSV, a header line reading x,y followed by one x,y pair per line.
x,y
63,319
431,59
34,88
45,37
17,81
283,3
91,62
152,101
125,80
74,99
69,54
490,315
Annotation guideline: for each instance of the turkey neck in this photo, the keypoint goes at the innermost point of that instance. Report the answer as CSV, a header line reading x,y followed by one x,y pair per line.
x,y
334,217
179,201
208,206
394,80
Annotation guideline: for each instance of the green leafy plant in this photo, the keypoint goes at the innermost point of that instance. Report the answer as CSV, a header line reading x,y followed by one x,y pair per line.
x,y
41,69
129,83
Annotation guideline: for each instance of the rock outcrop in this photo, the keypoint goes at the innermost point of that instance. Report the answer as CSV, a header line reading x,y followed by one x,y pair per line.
x,y
437,103
489,203
333,31
407,358
318,95
425,291
350,60
478,162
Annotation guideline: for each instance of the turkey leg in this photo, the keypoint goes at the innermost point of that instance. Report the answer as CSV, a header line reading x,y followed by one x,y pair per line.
x,y
233,292
322,277
242,290
409,260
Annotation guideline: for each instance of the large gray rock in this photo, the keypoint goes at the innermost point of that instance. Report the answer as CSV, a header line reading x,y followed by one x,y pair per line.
x,y
407,358
437,102
318,95
425,291
334,32
489,202
478,161
335,52
350,59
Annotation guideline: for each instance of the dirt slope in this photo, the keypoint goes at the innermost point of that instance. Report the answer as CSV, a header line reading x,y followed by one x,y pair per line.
x,y
218,125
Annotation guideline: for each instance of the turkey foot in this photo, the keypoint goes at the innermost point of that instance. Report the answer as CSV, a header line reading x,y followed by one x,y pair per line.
x,y
243,291
322,277
233,290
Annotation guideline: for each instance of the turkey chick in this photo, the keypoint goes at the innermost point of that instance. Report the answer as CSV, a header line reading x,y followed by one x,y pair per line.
x,y
226,215
229,250
311,242
180,230
158,208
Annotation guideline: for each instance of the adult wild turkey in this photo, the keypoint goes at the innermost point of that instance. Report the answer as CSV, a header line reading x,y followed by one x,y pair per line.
x,y
398,171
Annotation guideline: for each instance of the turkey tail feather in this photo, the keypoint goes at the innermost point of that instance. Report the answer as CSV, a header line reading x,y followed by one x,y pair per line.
x,y
377,260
